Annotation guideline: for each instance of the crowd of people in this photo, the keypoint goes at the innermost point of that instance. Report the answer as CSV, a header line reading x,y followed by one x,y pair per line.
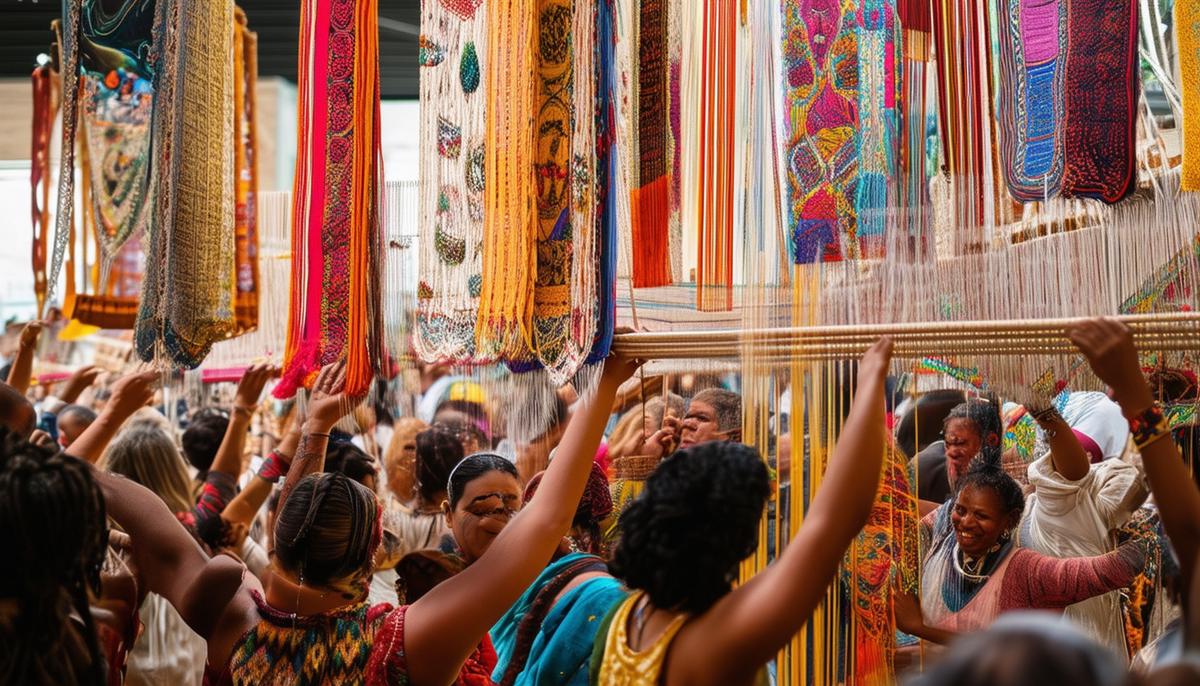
x,y
336,543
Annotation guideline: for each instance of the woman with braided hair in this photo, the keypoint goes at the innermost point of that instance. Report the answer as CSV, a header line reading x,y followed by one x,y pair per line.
x,y
548,634
53,527
311,623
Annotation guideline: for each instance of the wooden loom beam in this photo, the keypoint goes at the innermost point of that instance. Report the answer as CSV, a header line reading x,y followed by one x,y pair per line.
x,y
999,338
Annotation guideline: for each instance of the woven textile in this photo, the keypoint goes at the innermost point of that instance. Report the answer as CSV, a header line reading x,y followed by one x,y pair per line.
x,y
336,281
1033,39
108,95
245,75
1101,91
820,71
650,199
605,233
453,43
509,257
878,40
1187,37
187,297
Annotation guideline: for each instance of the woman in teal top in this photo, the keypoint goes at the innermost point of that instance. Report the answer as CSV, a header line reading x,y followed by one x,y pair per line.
x,y
546,637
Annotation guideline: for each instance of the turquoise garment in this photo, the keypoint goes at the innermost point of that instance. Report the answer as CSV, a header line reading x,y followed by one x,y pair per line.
x,y
562,649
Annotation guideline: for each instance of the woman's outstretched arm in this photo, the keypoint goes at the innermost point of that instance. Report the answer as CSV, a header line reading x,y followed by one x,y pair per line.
x,y
746,628
445,625
1108,346
243,508
20,375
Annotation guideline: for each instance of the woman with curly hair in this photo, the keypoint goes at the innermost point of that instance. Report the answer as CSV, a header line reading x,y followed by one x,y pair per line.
x,y
53,530
698,518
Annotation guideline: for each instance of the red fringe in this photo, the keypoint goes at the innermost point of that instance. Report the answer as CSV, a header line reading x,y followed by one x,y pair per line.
x,y
651,207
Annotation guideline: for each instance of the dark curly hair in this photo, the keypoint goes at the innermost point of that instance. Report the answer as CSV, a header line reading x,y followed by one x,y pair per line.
x,y
52,524
986,471
682,539
202,438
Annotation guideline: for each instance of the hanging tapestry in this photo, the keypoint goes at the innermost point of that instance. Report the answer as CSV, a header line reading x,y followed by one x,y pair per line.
x,y
718,160
605,234
509,244
1102,92
877,91
245,137
188,295
884,555
650,196
1187,35
453,43
335,309
820,72
674,141
1033,38
45,106
108,91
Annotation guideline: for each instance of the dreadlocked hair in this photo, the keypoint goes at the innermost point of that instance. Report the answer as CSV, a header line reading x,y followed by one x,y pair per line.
x,y
984,413
52,520
327,530
987,472
683,538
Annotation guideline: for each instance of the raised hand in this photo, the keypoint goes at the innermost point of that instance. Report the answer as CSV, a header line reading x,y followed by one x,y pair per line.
x,y
250,388
1108,346
31,333
328,402
79,381
873,368
130,394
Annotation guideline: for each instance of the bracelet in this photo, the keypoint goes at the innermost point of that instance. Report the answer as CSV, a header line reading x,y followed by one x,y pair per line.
x,y
1148,426
274,467
318,433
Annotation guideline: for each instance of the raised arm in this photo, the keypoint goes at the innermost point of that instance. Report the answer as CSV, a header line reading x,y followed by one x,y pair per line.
x,y
1045,582
21,373
228,459
1108,346
445,625
246,504
1068,456
129,394
743,630
326,406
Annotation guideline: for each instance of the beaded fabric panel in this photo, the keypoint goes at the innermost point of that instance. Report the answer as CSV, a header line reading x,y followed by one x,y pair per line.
x,y
820,71
878,38
1102,92
509,254
1032,43
1187,37
187,298
453,44
651,197
335,310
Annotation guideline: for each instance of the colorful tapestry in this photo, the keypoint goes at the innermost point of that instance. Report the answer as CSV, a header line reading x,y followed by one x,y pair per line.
x,y
820,71
650,197
1102,89
335,309
509,254
878,87
605,234
188,295
719,105
882,557
453,44
1032,41
1187,38
245,137
109,95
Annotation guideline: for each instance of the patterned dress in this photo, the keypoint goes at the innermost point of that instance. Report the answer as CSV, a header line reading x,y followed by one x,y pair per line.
x,y
360,644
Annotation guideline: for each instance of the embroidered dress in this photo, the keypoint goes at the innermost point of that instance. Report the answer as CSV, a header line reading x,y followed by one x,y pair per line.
x,y
623,666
